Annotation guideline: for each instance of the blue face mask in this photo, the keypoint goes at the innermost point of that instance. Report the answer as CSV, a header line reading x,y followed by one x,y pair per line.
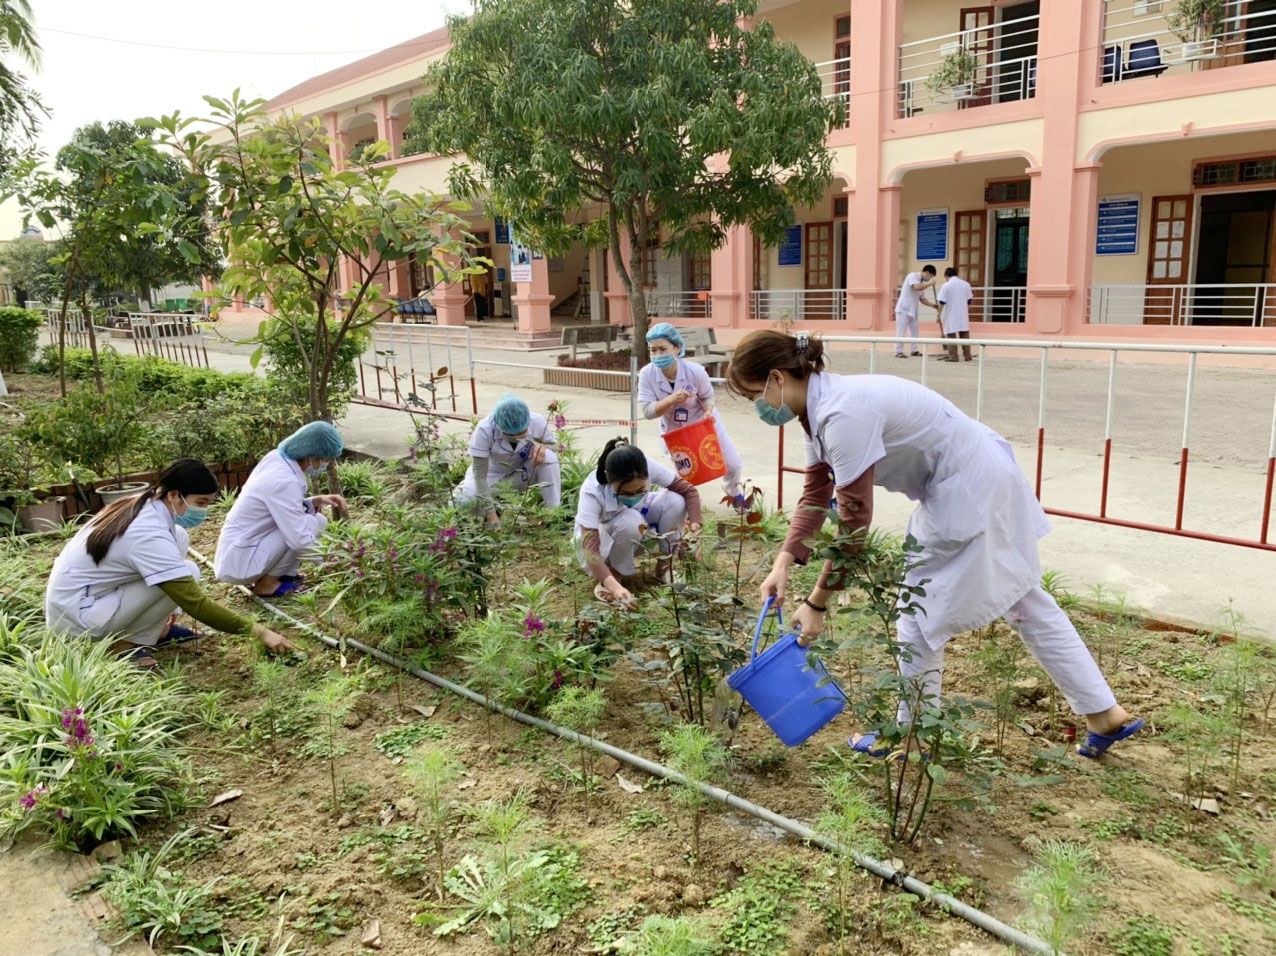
x,y
664,360
193,517
773,416
631,501
315,472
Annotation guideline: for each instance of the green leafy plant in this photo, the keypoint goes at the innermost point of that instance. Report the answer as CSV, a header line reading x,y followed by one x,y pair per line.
x,y
956,70
1143,935
270,679
757,911
1001,659
1199,736
580,710
250,946
90,744
1236,668
329,702
851,820
667,936
1060,892
399,742
697,755
431,772
153,901
1193,21
19,338
1251,862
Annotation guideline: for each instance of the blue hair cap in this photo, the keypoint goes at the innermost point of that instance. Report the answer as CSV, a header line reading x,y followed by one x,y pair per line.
x,y
510,414
663,330
313,440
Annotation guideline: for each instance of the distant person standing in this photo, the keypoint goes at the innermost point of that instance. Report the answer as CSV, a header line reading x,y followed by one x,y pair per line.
x,y
954,315
911,295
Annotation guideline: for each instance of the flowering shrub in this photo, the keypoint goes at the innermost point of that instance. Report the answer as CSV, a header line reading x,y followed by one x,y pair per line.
x,y
90,743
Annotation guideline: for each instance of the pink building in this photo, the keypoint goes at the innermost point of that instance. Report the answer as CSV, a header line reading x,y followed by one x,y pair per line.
x,y
1089,171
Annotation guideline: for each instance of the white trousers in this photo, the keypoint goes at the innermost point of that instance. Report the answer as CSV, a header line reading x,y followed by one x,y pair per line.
x,y
134,612
620,539
906,325
270,555
730,457
1046,631
548,476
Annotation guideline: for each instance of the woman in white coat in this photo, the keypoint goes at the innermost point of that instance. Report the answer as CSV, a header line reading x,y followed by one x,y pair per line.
x,y
273,522
126,573
680,393
628,498
515,446
977,519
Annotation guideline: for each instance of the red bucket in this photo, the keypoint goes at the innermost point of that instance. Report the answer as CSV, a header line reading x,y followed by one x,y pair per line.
x,y
696,454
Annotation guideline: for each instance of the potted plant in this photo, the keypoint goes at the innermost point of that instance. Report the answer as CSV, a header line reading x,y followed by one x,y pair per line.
x,y
1197,23
955,76
17,459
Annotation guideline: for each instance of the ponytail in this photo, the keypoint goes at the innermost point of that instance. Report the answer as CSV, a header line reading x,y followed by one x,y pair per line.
x,y
620,461
766,350
186,476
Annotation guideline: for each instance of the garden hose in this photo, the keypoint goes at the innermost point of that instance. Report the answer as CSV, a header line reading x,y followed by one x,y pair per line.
x,y
885,871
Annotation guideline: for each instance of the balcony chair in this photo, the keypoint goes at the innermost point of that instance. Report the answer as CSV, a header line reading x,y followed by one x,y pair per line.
x,y
1112,63
1145,59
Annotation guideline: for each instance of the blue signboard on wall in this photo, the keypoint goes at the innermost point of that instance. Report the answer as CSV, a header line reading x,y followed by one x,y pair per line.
x,y
502,232
1118,225
932,235
791,247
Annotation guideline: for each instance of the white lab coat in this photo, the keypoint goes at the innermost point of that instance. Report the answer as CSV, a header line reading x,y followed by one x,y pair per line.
x,y
977,518
955,296
507,461
655,386
621,527
121,595
909,301
271,524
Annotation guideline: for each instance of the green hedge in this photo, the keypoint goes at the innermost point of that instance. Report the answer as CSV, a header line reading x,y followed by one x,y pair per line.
x,y
155,376
19,337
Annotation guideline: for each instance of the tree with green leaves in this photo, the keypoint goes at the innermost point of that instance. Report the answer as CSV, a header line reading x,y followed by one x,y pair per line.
x,y
34,268
20,107
663,118
289,216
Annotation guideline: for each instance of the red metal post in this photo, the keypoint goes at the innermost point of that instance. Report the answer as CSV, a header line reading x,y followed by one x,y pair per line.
x,y
474,393
1162,529
1107,463
1267,499
394,371
451,381
1041,451
1178,511
779,473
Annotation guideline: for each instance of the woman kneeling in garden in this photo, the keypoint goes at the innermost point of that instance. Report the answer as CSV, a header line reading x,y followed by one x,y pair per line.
x,y
619,507
977,519
126,573
273,523
516,446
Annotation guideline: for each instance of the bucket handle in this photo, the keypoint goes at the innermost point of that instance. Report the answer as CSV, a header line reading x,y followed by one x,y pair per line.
x,y
757,631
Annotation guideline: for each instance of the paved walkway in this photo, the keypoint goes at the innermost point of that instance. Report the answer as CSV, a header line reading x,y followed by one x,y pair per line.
x,y
1229,441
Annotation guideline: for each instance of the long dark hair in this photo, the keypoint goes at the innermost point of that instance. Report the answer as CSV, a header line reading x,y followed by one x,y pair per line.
x,y
621,462
186,476
762,352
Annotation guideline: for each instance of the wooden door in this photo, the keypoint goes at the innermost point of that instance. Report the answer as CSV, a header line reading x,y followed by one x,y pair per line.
x,y
819,271
1169,247
969,229
980,46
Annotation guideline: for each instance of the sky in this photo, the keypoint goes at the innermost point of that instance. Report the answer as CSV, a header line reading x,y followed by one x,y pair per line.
x,y
134,58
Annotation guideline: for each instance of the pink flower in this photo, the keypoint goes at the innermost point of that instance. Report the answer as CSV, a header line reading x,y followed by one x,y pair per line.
x,y
532,625
29,798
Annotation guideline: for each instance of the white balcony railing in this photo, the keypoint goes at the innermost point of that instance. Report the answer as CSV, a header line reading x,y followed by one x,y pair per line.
x,y
799,305
835,83
1239,305
1137,41
991,64
679,305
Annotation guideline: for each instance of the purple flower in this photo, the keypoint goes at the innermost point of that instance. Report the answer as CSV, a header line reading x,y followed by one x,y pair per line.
x,y
446,534
62,813
558,680
560,421
29,798
532,625
69,717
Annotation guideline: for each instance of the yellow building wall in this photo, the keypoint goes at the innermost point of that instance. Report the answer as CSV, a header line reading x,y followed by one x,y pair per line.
x,y
1160,169
772,275
930,18
809,25
957,188
937,149
426,174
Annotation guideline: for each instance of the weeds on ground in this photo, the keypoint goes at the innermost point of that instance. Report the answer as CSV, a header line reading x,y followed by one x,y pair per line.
x,y
400,742
1060,892
757,912
1200,736
156,903
1143,935
1251,863
667,936
270,680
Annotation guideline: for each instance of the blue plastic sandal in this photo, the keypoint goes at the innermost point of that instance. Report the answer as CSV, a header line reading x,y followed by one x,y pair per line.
x,y
178,635
1097,744
285,588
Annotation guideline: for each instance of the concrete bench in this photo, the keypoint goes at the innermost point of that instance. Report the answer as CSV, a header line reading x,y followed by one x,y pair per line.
x,y
589,337
702,348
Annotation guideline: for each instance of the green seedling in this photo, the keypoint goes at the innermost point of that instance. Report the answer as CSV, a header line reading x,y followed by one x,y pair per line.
x,y
580,710
1001,659
1059,891
431,772
329,703
1200,737
1251,863
852,821
697,755
1143,936
270,677
666,936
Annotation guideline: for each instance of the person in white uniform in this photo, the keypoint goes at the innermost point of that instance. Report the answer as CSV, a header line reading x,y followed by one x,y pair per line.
x,y
125,574
680,393
513,446
977,519
911,294
630,497
954,312
275,522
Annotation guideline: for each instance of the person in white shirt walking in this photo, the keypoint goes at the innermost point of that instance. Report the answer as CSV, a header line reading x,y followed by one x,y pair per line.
x,y
911,294
273,523
954,313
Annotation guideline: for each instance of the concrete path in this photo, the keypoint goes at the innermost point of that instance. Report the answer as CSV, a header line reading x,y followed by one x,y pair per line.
x,y
1169,576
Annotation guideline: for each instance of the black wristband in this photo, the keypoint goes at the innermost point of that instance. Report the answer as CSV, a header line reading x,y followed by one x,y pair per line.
x,y
813,606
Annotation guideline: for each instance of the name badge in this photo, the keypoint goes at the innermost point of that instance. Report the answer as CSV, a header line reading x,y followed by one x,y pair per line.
x,y
680,414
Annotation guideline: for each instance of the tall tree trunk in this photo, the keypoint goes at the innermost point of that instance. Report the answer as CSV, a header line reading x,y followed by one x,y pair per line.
x,y
87,313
